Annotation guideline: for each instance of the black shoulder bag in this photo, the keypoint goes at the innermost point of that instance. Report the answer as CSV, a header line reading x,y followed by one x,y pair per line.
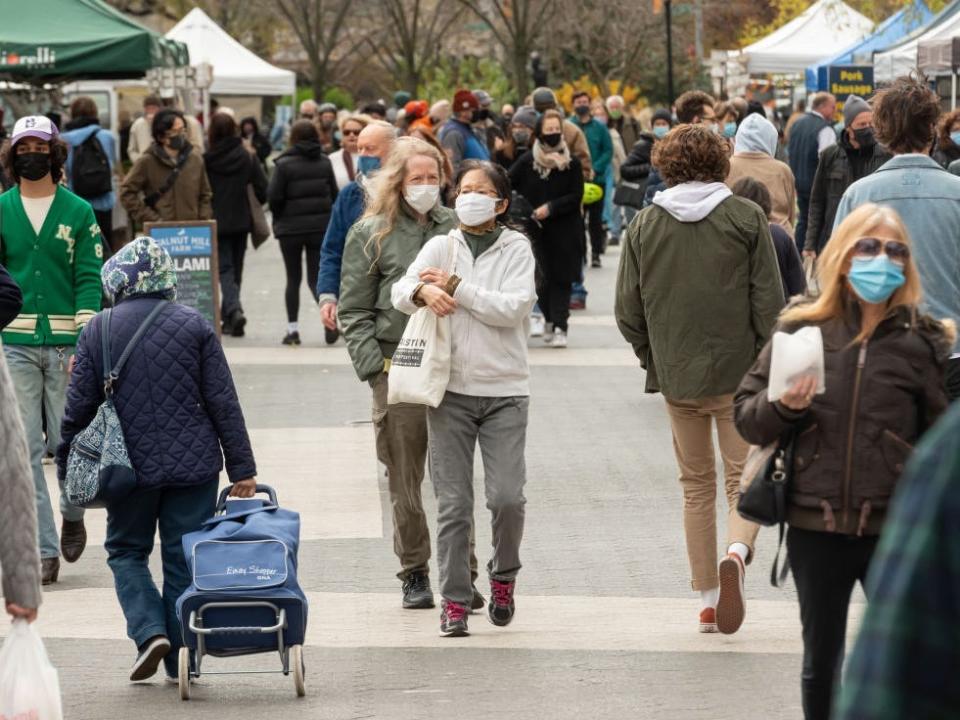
x,y
152,198
764,489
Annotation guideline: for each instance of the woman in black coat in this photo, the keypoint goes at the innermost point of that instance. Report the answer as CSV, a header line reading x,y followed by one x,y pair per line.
x,y
550,179
302,191
231,168
250,132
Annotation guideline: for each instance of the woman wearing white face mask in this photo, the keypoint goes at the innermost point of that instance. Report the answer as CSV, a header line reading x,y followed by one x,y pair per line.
x,y
403,213
488,298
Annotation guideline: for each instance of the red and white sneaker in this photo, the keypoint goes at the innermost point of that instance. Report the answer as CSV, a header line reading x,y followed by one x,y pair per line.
x,y
708,620
732,605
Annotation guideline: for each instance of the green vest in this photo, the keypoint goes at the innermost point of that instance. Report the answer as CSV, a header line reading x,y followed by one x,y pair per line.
x,y
58,270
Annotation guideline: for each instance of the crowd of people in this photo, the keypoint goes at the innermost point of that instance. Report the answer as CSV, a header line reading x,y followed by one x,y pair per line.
x,y
490,219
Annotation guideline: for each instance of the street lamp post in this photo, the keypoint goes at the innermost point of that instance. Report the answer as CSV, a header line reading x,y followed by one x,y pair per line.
x,y
667,12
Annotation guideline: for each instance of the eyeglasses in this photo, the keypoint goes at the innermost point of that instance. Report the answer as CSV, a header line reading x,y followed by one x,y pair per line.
x,y
871,247
350,132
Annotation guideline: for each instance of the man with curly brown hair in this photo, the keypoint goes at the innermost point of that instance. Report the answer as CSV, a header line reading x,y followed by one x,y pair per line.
x,y
926,196
697,297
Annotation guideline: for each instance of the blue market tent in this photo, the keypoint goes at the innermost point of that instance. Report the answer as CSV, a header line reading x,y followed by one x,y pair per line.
x,y
890,31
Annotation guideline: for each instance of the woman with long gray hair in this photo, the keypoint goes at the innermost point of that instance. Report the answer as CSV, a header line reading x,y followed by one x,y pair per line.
x,y
403,213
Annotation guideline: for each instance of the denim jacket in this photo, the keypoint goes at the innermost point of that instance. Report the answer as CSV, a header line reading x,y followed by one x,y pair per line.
x,y
927,198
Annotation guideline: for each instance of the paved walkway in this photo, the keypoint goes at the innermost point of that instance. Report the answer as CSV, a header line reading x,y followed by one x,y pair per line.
x,y
606,624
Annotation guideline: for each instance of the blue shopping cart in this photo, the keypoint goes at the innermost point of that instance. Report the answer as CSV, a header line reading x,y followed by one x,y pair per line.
x,y
245,598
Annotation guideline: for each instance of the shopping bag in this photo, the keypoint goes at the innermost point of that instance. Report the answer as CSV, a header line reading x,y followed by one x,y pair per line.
x,y
420,368
29,687
794,356
810,274
259,227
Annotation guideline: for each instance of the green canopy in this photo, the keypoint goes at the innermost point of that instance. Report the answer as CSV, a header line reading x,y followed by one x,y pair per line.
x,y
60,39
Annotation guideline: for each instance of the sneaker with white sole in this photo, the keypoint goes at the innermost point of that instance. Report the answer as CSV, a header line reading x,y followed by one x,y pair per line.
x,y
708,620
732,605
559,339
548,333
537,325
151,654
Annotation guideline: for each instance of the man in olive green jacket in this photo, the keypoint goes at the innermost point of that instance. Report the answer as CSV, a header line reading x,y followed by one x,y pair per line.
x,y
697,296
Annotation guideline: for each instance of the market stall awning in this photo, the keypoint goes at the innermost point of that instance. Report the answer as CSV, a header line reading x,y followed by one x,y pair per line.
x,y
808,39
53,39
236,70
890,31
902,57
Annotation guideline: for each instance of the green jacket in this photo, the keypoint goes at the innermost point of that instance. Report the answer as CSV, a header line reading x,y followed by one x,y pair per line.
x,y
698,300
57,271
600,144
372,328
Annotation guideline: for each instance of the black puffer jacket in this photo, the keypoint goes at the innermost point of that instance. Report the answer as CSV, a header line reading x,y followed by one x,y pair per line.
x,y
636,168
302,191
840,166
854,440
230,169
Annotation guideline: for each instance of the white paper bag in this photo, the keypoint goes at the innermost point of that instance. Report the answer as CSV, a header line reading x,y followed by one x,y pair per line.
x,y
420,368
29,686
793,357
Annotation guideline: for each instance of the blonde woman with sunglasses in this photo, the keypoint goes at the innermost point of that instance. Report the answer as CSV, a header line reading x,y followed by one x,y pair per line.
x,y
884,364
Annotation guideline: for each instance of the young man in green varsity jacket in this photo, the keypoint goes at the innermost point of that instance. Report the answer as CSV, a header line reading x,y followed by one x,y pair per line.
x,y
50,245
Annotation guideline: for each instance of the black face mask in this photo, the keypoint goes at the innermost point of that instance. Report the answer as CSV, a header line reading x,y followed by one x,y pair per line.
x,y
551,139
32,166
521,137
865,137
177,142
582,110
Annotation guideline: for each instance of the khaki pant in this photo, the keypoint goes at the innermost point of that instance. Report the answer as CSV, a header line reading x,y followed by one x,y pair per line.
x,y
401,433
692,424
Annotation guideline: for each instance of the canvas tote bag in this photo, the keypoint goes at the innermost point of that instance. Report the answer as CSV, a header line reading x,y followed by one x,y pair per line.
x,y
420,368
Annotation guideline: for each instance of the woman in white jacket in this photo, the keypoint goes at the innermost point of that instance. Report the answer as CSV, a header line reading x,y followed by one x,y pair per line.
x,y
488,297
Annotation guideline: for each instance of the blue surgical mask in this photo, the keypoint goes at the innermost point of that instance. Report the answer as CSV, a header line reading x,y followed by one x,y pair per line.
x,y
730,129
368,164
875,279
955,136
660,131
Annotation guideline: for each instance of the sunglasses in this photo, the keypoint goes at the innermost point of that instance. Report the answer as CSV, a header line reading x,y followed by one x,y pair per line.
x,y
350,132
871,247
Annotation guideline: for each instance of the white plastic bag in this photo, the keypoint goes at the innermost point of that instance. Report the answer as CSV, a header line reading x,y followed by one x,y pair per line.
x,y
420,368
29,686
795,356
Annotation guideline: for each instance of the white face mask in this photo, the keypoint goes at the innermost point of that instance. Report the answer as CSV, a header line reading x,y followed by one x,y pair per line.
x,y
476,209
421,198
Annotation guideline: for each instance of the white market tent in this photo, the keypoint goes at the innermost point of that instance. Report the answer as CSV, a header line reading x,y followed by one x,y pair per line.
x,y
822,29
236,70
902,58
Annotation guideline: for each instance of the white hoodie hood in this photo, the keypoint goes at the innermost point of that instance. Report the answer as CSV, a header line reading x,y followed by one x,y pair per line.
x,y
692,201
756,134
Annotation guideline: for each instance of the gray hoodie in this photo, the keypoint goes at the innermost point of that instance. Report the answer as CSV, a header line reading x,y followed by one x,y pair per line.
x,y
756,134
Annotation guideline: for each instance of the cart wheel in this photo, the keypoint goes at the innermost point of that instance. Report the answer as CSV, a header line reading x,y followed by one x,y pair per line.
x,y
296,660
183,673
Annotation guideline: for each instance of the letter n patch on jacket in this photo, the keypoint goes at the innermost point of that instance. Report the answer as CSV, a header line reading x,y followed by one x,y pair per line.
x,y
63,233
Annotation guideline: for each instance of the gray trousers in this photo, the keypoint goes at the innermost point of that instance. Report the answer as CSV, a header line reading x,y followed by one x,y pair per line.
x,y
401,432
500,425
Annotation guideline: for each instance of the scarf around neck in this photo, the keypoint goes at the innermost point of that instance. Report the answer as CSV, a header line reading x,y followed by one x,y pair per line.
x,y
545,162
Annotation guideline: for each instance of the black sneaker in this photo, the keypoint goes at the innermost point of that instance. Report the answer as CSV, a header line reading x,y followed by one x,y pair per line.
x,y
478,600
501,608
417,594
331,336
237,322
151,654
453,620
291,338
595,262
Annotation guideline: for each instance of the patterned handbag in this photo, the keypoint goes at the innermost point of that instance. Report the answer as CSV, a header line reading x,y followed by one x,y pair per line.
x,y
98,466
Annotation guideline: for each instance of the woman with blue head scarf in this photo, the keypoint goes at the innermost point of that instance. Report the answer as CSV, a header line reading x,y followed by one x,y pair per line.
x,y
182,422
754,155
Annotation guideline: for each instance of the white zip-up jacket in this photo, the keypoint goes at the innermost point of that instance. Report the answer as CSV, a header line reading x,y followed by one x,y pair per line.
x,y
490,327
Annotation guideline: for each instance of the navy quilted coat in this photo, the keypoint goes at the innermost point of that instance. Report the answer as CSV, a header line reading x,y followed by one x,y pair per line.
x,y
175,397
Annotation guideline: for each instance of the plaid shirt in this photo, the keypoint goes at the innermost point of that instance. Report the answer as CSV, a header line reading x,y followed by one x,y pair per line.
x,y
907,655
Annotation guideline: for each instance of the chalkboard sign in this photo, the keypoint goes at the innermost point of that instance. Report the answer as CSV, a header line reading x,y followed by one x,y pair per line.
x,y
193,246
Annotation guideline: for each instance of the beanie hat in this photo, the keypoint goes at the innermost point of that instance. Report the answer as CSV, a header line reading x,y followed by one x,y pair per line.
x,y
525,115
662,114
853,107
465,100
415,109
401,98
544,99
483,97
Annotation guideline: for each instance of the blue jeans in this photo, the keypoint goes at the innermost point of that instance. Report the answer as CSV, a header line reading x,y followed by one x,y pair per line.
x,y
40,380
131,526
608,208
